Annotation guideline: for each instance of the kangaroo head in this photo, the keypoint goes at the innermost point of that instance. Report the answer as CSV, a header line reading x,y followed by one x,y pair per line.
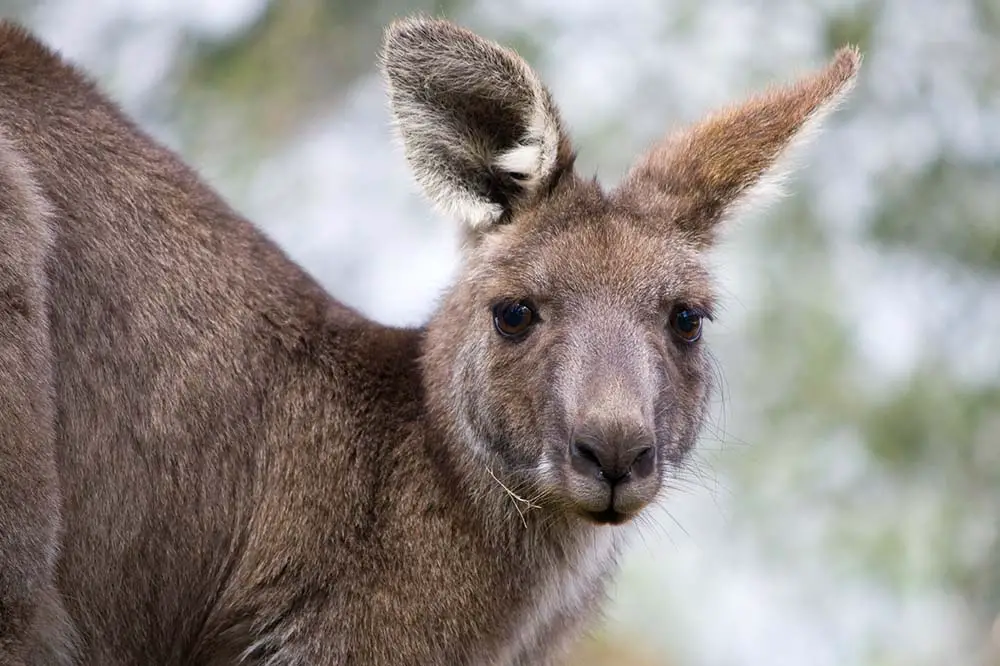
x,y
567,359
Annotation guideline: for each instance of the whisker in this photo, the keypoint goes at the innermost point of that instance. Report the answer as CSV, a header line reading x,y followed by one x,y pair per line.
x,y
516,498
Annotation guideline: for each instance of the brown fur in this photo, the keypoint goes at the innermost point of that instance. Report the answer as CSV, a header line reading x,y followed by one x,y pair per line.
x,y
207,460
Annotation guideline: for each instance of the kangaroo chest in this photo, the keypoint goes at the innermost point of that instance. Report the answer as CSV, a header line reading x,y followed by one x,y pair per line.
x,y
566,596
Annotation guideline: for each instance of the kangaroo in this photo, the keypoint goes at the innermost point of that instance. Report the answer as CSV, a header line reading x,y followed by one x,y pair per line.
x,y
206,459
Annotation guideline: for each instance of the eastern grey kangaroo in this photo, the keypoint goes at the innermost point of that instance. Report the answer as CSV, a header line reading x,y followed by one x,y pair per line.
x,y
206,459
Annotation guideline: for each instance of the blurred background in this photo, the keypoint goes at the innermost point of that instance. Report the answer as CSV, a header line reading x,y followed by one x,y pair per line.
x,y
844,506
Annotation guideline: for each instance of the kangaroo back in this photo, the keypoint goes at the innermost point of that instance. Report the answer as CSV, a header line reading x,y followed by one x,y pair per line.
x,y
164,326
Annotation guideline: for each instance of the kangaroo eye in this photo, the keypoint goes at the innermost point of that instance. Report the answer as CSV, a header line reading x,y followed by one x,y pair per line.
x,y
513,319
686,323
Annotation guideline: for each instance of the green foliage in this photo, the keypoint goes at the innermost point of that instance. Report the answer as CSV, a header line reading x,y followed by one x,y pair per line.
x,y
852,25
949,210
252,91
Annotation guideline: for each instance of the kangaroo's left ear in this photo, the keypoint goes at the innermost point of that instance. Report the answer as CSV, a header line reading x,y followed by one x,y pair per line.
x,y
701,175
481,133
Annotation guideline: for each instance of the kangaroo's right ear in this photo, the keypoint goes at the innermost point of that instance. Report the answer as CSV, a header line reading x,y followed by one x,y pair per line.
x,y
479,129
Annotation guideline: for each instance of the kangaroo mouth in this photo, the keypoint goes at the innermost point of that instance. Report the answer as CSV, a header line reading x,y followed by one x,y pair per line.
x,y
608,516
615,512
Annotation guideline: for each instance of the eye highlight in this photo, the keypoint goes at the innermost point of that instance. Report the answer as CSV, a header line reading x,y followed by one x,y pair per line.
x,y
686,323
512,319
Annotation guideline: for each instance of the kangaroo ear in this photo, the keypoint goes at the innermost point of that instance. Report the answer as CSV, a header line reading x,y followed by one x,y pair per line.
x,y
480,131
705,173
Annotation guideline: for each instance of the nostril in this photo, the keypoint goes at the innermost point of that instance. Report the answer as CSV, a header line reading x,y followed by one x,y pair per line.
x,y
588,461
585,451
644,453
643,462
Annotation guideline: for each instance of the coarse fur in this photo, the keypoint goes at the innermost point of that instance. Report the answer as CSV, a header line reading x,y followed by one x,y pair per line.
x,y
206,459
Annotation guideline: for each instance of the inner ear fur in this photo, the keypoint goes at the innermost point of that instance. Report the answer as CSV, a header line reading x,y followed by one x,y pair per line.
x,y
480,132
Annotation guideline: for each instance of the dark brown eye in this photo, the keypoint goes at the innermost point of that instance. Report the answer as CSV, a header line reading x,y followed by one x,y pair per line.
x,y
686,323
512,320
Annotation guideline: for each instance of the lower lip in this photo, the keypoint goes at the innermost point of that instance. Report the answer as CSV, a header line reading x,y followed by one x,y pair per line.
x,y
607,517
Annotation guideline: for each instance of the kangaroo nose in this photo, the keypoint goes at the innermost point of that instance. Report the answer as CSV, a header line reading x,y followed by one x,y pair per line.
x,y
612,458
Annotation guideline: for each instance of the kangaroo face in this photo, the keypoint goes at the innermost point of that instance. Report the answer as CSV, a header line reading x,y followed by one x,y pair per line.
x,y
568,358
586,372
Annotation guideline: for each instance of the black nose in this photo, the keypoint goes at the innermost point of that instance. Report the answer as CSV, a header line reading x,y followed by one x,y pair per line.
x,y
613,458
